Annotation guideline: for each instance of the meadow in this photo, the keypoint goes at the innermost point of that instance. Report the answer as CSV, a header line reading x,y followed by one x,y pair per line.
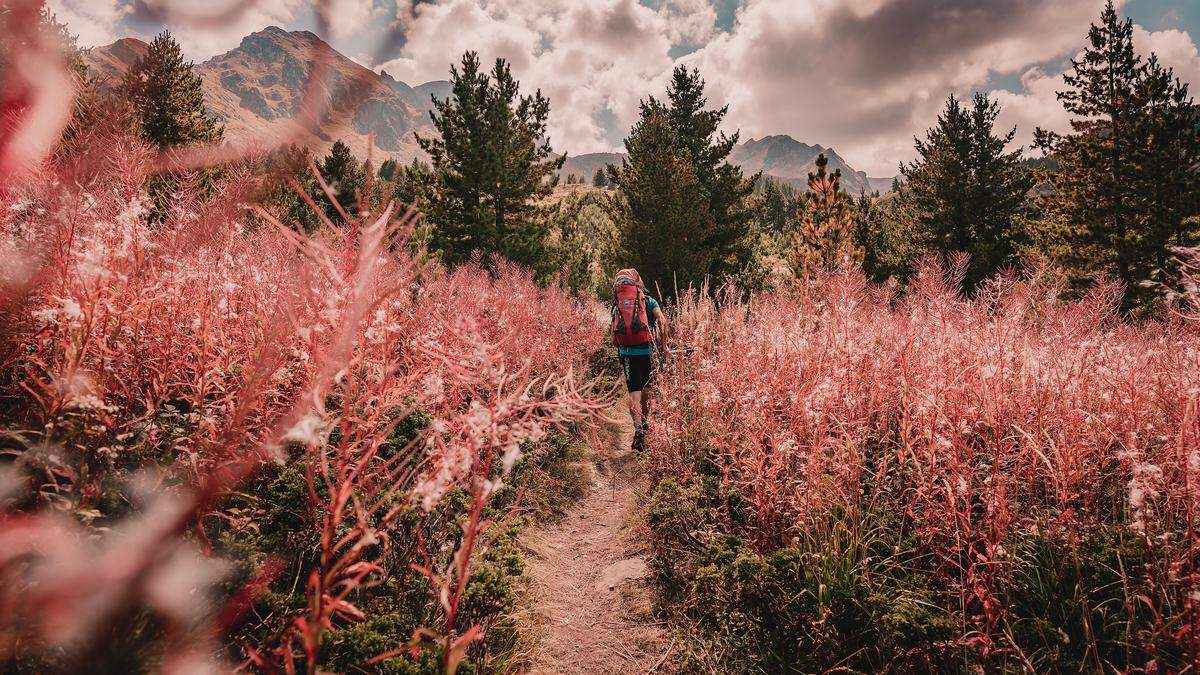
x,y
852,479
265,409
228,443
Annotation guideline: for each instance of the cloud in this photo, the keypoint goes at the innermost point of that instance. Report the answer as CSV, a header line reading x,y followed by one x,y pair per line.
x,y
1175,48
1037,105
350,17
865,77
862,76
205,38
588,58
690,23
95,22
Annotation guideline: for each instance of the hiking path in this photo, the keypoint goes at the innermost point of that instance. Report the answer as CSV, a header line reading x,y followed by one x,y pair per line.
x,y
591,602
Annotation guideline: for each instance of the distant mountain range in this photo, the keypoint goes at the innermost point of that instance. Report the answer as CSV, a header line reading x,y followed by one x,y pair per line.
x,y
782,158
256,91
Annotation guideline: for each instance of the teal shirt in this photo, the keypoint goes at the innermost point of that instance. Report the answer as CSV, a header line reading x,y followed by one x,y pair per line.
x,y
640,350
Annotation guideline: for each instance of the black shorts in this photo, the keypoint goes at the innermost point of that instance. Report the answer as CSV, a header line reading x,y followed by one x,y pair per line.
x,y
639,371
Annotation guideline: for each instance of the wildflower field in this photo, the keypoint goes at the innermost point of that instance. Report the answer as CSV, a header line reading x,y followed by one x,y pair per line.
x,y
271,406
228,443
851,480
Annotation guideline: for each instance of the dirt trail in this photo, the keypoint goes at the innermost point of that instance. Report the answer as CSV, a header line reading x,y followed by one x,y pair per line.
x,y
591,602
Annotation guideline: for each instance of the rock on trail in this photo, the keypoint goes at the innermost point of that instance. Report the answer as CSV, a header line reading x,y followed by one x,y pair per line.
x,y
591,603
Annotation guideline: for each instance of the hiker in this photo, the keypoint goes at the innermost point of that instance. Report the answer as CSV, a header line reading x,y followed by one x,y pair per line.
x,y
636,320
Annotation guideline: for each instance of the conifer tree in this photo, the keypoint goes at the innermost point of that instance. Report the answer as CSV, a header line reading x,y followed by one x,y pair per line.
x,y
662,213
168,97
965,190
778,209
1127,177
346,177
388,169
411,185
280,196
600,178
719,232
492,164
826,236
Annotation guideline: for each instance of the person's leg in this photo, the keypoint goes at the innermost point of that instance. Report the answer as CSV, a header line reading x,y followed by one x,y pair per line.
x,y
635,408
651,373
629,367
638,370
642,419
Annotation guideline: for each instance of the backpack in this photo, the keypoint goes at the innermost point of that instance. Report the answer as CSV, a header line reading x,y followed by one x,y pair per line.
x,y
630,322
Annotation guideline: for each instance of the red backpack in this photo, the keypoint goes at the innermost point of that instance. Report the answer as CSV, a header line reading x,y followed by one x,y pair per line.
x,y
630,323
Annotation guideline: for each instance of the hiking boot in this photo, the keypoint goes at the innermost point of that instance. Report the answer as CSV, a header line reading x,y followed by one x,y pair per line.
x,y
639,439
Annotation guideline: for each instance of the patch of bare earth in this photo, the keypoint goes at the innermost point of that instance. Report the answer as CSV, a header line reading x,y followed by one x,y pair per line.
x,y
591,602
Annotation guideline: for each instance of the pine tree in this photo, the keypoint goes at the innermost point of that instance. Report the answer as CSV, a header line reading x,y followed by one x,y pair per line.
x,y
492,164
965,190
662,213
278,193
600,178
720,232
168,97
1127,177
779,211
346,177
411,186
388,169
826,237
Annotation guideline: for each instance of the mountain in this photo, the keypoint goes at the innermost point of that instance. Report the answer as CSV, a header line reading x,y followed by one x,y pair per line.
x,y
111,61
780,157
257,89
882,185
585,165
790,161
420,96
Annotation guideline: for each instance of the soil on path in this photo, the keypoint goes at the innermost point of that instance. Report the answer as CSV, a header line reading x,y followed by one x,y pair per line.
x,y
591,604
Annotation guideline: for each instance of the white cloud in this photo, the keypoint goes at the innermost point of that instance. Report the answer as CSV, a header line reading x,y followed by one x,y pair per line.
x,y
201,42
586,57
1037,105
1175,48
348,17
689,22
863,76
866,77
95,22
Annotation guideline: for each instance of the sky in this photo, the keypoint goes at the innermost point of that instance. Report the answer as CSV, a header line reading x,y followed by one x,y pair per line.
x,y
861,76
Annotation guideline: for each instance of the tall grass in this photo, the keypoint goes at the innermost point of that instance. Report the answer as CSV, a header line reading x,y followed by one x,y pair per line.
x,y
930,481
229,443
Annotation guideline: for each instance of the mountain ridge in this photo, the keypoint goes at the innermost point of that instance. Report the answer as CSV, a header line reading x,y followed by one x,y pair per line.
x,y
779,157
256,91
